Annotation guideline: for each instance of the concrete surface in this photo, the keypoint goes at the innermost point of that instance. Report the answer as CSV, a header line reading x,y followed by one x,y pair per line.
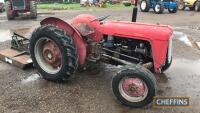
x,y
24,91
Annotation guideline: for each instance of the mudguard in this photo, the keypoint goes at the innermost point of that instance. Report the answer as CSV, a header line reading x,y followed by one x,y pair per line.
x,y
72,32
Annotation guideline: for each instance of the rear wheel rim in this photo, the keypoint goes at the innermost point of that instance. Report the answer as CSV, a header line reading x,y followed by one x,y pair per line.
x,y
143,5
133,89
48,55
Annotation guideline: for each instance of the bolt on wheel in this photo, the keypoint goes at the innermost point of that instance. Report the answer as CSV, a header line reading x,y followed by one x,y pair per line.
x,y
48,55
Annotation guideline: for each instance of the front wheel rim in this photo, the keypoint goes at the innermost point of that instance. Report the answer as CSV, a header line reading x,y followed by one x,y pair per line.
x,y
48,55
143,5
157,8
133,89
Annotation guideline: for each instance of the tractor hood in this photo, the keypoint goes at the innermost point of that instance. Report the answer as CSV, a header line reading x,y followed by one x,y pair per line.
x,y
137,30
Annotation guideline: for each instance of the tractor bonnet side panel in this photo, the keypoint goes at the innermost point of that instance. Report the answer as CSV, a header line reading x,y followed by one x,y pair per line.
x,y
70,31
157,35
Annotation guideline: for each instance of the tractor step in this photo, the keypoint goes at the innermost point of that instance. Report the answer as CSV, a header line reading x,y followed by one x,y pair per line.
x,y
16,58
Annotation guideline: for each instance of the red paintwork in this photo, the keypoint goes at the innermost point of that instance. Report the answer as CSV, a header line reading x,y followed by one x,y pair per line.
x,y
157,35
72,32
27,8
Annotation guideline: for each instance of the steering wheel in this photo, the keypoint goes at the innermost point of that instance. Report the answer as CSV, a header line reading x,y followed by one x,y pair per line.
x,y
101,18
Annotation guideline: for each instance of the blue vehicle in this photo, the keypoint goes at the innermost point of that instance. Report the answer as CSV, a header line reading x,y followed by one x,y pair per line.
x,y
158,6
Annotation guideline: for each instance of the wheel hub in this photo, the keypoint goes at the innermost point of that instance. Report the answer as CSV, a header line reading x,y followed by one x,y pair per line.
x,y
143,5
133,87
51,54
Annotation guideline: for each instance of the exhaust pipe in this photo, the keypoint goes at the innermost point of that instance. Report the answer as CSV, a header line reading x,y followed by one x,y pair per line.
x,y
135,9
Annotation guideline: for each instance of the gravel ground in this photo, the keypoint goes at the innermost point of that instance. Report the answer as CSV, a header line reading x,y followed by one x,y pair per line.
x,y
24,91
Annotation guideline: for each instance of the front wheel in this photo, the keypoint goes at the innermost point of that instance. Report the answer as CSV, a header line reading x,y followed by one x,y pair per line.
x,y
172,10
134,87
144,5
158,8
197,6
53,53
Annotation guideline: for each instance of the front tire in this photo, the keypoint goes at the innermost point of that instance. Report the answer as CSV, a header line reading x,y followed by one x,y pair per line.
x,y
174,10
158,8
134,86
144,5
53,53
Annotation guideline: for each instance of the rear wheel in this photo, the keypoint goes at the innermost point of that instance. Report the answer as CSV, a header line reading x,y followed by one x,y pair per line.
x,y
134,87
172,10
33,9
197,6
53,53
10,15
158,8
144,5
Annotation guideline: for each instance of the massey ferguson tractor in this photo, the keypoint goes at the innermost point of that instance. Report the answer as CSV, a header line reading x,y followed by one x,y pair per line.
x,y
16,7
58,49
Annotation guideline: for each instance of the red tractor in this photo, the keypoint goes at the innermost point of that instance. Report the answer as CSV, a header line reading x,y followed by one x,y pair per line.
x,y
16,7
58,49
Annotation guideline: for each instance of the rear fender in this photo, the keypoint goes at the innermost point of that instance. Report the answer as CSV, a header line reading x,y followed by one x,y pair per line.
x,y
72,32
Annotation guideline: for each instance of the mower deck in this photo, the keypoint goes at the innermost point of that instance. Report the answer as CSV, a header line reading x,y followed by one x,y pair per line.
x,y
18,54
16,58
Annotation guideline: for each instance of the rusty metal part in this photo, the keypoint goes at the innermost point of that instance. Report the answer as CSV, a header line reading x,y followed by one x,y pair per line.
x,y
94,52
133,89
51,53
148,65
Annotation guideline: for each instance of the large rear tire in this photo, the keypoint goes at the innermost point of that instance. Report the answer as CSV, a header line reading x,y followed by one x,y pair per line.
x,y
197,6
144,5
10,16
134,86
53,53
33,9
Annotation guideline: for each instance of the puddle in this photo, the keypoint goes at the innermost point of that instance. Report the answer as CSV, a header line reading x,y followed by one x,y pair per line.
x,y
31,78
182,37
5,35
